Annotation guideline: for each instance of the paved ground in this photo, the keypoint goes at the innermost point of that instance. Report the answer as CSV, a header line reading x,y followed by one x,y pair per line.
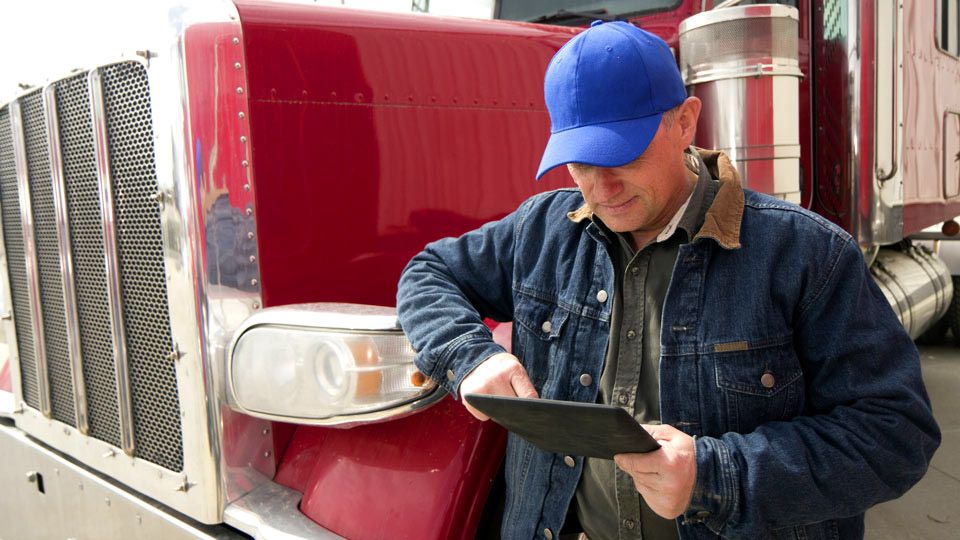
x,y
931,510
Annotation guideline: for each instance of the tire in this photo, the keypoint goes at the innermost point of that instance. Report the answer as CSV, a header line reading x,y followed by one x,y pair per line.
x,y
950,322
952,317
936,334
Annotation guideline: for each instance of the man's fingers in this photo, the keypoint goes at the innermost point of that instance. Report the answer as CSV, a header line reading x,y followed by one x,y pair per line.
x,y
522,385
646,488
500,375
476,414
660,432
651,463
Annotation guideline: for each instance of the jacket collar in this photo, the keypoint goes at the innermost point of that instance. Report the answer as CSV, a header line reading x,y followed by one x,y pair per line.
x,y
723,218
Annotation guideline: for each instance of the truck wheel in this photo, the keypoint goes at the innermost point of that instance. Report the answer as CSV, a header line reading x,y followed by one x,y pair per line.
x,y
952,317
936,334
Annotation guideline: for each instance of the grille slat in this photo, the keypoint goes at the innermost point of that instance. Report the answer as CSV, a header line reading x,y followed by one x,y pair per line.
x,y
156,404
86,240
48,258
16,262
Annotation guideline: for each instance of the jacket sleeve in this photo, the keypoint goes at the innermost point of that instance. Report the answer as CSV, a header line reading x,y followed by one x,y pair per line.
x,y
447,290
868,432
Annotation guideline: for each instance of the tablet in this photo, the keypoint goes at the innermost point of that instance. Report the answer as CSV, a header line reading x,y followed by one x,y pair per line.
x,y
567,427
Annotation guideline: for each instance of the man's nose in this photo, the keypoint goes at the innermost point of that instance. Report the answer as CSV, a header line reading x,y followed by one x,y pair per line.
x,y
607,185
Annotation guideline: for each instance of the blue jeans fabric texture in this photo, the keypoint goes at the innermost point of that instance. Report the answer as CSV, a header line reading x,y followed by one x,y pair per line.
x,y
841,422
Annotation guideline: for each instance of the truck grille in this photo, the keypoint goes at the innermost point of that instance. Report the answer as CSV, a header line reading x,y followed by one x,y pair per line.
x,y
143,301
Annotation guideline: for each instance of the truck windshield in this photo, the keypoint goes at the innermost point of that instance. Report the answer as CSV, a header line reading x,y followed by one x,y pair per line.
x,y
548,10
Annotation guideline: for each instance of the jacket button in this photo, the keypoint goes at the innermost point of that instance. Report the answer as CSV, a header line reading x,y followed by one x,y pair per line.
x,y
569,461
629,524
586,379
450,375
635,270
548,534
602,296
768,380
623,399
546,327
631,334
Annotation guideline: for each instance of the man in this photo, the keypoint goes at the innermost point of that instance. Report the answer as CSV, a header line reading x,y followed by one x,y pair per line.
x,y
744,333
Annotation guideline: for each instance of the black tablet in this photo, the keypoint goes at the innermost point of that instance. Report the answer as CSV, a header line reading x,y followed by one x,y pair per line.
x,y
566,427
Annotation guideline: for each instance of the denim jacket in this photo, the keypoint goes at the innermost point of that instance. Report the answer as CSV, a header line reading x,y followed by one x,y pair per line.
x,y
779,355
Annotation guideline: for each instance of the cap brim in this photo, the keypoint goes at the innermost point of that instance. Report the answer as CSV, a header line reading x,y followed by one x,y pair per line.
x,y
610,144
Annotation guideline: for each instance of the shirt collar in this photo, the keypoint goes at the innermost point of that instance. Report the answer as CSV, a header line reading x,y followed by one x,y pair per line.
x,y
686,217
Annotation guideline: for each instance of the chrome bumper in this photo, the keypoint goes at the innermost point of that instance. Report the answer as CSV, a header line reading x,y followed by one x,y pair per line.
x,y
48,496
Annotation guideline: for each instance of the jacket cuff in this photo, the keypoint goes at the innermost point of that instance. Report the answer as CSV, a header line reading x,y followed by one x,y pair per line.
x,y
458,359
715,495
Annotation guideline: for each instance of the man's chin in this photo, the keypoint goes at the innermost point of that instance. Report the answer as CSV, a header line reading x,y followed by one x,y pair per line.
x,y
617,225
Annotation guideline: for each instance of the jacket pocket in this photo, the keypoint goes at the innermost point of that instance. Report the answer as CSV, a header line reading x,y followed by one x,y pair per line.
x,y
824,530
537,333
760,381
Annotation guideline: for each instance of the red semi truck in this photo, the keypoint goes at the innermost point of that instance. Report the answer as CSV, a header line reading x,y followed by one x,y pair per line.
x,y
197,236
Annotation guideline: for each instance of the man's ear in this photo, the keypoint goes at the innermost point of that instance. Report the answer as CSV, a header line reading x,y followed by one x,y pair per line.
x,y
687,118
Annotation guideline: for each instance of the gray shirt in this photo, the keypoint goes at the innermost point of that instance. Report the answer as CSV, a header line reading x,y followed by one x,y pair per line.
x,y
608,504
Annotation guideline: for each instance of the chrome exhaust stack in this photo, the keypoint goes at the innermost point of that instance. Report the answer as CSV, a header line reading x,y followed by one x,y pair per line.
x,y
742,62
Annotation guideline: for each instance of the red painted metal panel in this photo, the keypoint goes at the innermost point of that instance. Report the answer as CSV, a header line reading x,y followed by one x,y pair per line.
x,y
376,482
831,177
373,134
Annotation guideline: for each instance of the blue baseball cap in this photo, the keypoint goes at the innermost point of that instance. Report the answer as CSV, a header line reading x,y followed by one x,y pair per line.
x,y
606,90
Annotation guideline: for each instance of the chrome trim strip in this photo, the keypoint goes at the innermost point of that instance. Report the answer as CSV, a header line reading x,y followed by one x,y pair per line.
x,y
888,90
270,512
30,254
860,227
66,258
327,315
205,310
8,319
885,218
349,420
114,294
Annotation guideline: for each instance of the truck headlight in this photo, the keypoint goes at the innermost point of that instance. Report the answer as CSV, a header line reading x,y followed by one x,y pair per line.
x,y
325,364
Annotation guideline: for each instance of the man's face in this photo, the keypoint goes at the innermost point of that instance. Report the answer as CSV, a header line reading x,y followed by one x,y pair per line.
x,y
642,195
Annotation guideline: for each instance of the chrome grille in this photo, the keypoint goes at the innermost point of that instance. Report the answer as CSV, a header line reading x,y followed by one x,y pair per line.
x,y
156,407
16,262
48,257
143,303
86,240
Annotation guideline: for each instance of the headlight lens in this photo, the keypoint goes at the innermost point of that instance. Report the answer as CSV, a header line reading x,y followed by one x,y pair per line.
x,y
308,373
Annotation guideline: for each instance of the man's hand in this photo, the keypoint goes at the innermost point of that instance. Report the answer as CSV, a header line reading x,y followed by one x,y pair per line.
x,y
500,375
664,477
